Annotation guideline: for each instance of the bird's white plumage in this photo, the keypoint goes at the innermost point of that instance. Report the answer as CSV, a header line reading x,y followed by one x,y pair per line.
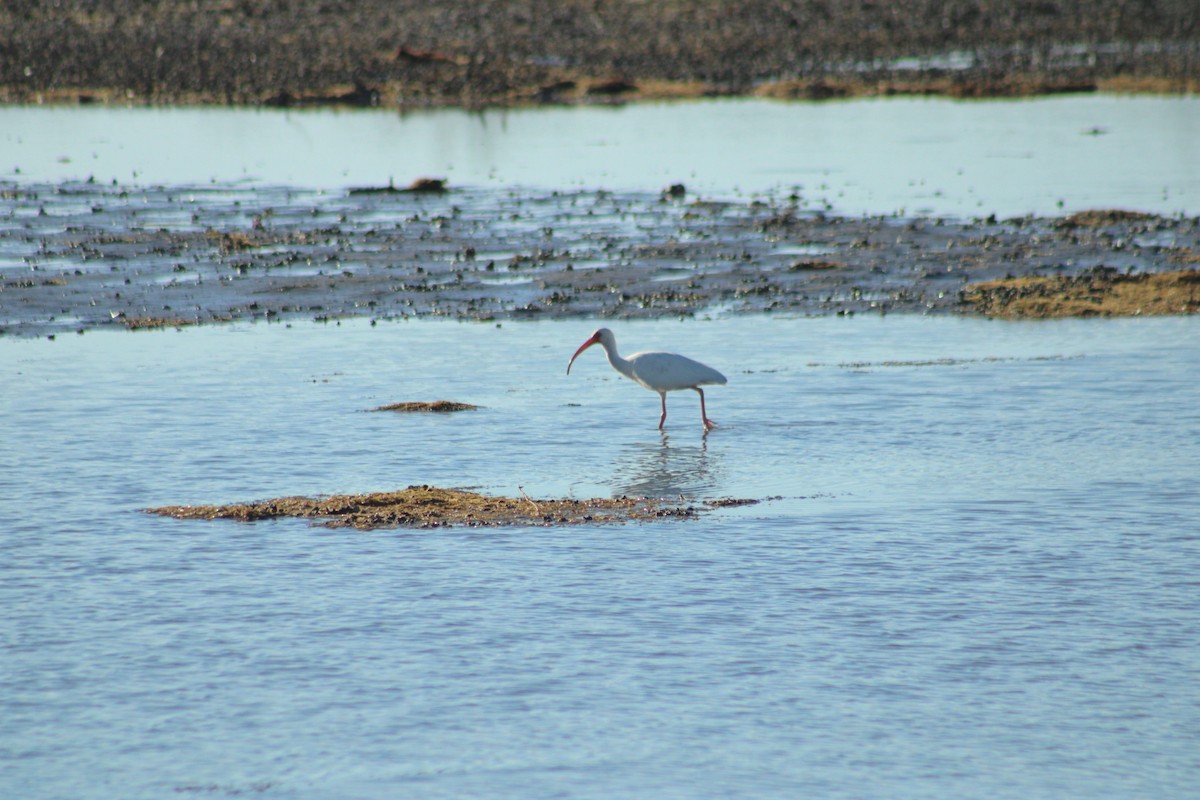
x,y
670,372
657,371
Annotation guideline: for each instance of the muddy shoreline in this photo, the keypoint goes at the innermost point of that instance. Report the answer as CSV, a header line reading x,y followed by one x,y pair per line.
x,y
82,256
262,52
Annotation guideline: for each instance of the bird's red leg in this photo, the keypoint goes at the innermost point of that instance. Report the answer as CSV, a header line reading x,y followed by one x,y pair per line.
x,y
663,418
708,423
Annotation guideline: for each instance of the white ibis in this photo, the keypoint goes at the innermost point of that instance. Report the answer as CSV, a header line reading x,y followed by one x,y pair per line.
x,y
659,372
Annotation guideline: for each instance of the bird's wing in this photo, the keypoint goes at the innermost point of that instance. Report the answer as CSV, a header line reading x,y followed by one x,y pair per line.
x,y
667,372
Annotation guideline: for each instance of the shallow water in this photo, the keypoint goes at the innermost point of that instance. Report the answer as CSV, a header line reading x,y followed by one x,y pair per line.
x,y
876,156
977,577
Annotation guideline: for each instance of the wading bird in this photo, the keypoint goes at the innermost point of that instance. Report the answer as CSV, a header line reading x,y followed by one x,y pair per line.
x,y
658,372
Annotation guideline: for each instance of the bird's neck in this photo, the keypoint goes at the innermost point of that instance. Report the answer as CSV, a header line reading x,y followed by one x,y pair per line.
x,y
619,364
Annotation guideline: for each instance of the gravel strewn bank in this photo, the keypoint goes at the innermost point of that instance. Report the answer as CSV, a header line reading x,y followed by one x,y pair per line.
x,y
371,52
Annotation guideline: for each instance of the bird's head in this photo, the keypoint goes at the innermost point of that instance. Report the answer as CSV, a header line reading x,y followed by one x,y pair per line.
x,y
603,337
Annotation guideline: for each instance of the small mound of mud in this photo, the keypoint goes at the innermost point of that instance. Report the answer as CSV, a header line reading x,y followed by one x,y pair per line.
x,y
1100,292
151,323
732,502
814,265
431,507
418,186
437,407
1103,218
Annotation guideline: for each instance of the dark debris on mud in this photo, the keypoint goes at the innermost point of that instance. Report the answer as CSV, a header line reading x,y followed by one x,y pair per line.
x,y
83,256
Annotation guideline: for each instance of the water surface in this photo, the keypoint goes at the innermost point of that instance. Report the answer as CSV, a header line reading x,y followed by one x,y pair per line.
x,y
875,156
977,577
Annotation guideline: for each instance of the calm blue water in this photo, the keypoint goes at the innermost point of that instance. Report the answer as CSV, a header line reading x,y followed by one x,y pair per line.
x,y
979,579
871,156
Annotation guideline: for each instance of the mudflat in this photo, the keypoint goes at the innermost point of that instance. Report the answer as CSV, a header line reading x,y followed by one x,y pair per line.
x,y
101,256
151,257
372,52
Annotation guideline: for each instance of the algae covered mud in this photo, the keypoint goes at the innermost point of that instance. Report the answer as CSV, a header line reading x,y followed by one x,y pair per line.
x,y
431,507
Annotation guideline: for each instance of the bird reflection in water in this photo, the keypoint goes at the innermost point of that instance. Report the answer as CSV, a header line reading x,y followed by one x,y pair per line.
x,y
660,469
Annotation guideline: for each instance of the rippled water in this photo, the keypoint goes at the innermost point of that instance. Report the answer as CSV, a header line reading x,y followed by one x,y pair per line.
x,y
977,577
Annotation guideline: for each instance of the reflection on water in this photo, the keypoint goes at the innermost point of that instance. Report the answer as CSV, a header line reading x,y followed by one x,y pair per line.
x,y
663,469
873,156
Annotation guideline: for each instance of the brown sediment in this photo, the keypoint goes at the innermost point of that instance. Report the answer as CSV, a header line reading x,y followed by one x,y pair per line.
x,y
432,507
146,323
442,52
1097,293
1103,217
233,241
436,406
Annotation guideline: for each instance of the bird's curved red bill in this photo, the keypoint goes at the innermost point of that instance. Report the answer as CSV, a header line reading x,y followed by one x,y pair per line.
x,y
582,347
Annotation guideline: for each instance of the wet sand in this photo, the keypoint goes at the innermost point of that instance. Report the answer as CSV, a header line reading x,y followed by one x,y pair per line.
x,y
83,256
564,51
